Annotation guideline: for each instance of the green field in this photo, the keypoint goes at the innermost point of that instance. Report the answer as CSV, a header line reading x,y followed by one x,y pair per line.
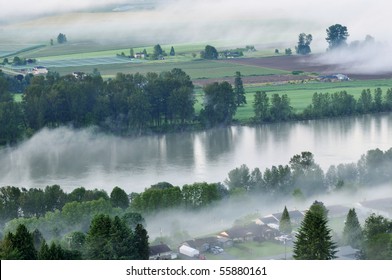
x,y
252,251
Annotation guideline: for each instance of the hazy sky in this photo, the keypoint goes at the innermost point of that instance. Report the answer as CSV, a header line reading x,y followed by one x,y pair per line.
x,y
253,21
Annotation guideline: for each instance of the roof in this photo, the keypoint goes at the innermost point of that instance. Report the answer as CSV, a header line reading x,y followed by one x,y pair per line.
x,y
159,249
269,220
249,230
337,210
199,242
384,204
294,215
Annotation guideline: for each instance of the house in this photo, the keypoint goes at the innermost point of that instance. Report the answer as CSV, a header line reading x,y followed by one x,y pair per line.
x,y
337,211
40,70
251,232
140,55
273,220
296,216
202,244
269,220
161,252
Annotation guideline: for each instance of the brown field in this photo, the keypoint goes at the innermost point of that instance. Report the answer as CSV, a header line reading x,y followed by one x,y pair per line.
x,y
290,63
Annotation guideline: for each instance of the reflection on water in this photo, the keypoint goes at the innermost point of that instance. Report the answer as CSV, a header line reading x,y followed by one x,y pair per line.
x,y
83,158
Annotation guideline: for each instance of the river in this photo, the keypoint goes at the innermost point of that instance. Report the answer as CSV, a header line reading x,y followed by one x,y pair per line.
x,y
73,158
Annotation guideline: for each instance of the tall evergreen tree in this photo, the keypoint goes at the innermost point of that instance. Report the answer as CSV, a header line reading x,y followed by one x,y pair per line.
x,y
285,222
172,52
98,245
239,91
121,240
352,232
19,245
140,243
314,239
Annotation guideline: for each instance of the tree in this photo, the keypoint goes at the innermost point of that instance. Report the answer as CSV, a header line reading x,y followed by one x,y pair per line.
x,y
119,198
140,243
98,245
288,51
209,52
377,237
261,106
172,52
61,38
131,53
352,232
239,178
285,222
219,103
19,245
239,91
9,203
337,35
314,240
157,51
303,46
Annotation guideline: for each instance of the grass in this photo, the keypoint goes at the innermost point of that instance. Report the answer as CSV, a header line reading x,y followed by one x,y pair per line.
x,y
255,250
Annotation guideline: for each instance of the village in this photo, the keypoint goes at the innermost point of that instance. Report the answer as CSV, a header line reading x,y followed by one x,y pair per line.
x,y
265,229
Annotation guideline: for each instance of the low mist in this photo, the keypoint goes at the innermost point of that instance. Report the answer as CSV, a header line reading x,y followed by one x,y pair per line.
x,y
360,57
185,21
224,214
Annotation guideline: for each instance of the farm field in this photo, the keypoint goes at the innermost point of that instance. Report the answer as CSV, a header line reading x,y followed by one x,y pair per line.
x,y
260,70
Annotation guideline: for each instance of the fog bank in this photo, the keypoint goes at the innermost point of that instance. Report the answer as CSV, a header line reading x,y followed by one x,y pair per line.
x,y
174,21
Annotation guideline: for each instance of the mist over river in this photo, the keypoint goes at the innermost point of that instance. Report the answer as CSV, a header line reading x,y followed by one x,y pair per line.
x,y
73,158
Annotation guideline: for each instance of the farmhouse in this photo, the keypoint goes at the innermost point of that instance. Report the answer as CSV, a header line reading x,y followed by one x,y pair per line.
x,y
40,70
140,55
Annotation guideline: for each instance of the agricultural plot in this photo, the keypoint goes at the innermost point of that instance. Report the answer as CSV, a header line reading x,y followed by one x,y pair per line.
x,y
113,60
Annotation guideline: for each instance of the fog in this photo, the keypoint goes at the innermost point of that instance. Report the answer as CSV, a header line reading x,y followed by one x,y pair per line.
x,y
171,21
360,57
223,215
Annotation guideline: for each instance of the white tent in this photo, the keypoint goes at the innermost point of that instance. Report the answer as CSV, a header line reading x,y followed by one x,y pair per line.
x,y
188,251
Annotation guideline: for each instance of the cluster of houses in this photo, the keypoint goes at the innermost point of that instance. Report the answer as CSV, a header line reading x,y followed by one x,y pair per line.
x,y
266,228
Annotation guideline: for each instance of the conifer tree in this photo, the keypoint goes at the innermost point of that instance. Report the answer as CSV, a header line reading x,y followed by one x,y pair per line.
x,y
314,239
239,89
140,243
285,222
352,232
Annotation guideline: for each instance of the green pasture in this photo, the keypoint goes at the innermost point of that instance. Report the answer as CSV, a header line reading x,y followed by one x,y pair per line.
x,y
196,69
255,250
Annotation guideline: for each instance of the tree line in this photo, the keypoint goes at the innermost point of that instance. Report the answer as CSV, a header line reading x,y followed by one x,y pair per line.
x,y
302,177
106,239
133,104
